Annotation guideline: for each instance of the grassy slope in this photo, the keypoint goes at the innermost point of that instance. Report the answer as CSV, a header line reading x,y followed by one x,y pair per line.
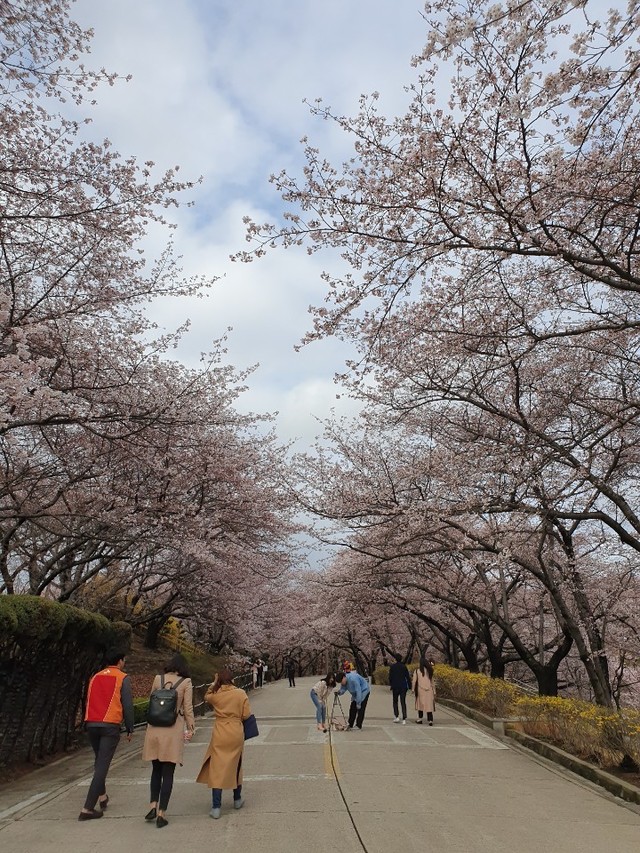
x,y
143,664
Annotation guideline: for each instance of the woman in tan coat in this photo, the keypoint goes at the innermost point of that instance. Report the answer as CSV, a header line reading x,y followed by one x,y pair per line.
x,y
424,690
164,745
222,765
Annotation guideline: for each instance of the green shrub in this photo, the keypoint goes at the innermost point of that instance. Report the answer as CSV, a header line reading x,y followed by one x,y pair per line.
x,y
140,709
381,673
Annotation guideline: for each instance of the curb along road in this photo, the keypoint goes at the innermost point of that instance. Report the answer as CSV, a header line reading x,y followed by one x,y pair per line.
x,y
17,799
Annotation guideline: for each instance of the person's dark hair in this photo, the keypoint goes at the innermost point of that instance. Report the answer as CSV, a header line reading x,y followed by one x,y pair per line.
x,y
114,655
224,677
397,657
330,680
339,676
177,664
426,668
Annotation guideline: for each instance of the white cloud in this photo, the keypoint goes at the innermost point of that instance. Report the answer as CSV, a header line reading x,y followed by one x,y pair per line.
x,y
217,87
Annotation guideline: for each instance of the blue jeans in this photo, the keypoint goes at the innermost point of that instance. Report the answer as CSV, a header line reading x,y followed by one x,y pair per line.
x,y
216,796
321,709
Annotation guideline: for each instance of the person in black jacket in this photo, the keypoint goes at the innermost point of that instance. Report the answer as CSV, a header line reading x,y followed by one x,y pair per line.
x,y
399,683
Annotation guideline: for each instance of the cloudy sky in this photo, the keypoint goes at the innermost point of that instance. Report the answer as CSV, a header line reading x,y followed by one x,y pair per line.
x,y
218,87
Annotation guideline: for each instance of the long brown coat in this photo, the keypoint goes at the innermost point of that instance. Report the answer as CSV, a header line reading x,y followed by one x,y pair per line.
x,y
222,765
426,692
166,743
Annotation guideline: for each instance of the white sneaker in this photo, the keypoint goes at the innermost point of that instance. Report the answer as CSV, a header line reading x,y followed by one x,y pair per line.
x,y
396,719
404,722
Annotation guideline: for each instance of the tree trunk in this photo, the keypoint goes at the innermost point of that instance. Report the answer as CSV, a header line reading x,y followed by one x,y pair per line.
x,y
152,632
547,678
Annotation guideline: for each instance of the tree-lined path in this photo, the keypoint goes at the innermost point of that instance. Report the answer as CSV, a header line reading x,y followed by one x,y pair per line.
x,y
453,788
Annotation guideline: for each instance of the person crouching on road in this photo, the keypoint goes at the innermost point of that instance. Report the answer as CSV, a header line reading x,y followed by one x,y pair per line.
x,y
164,745
109,702
359,689
424,690
222,765
319,692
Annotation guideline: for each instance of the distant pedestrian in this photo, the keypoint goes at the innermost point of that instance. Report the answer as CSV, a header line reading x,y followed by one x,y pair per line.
x,y
360,690
291,673
164,745
259,672
264,672
319,693
109,703
254,674
222,765
399,683
424,690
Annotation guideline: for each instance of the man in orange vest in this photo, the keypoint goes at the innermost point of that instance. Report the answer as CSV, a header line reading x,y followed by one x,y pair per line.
x,y
109,702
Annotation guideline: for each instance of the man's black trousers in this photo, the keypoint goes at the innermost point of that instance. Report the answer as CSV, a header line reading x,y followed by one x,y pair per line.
x,y
357,716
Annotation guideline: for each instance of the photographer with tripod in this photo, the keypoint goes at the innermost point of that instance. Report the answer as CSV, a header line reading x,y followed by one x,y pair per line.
x,y
360,690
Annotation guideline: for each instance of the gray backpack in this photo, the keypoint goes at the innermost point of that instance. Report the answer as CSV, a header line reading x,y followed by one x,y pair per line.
x,y
163,705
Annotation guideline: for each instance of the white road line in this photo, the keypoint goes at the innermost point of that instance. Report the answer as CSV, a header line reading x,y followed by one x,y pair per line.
x,y
23,804
483,740
295,777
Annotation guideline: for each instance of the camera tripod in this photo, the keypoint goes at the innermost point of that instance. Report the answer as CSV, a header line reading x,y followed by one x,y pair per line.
x,y
335,723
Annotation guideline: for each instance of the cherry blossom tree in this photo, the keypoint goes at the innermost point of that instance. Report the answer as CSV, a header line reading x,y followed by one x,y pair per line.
x,y
530,160
129,481
430,533
492,273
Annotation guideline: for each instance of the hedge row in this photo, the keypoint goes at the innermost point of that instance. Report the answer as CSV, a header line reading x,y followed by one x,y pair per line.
x,y
48,651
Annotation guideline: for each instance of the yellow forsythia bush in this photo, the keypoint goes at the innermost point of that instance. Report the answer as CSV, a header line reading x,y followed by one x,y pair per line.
x,y
381,673
584,729
493,696
589,731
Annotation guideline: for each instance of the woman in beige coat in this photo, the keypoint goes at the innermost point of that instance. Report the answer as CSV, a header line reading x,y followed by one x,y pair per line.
x,y
222,765
164,745
424,690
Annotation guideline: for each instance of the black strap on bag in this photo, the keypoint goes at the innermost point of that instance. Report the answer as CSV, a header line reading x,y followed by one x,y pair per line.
x,y
163,704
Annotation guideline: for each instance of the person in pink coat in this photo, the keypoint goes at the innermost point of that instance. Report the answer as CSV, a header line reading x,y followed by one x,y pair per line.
x,y
424,690
164,745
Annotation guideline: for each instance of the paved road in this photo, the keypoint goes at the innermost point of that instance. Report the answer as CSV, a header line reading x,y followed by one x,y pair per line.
x,y
453,788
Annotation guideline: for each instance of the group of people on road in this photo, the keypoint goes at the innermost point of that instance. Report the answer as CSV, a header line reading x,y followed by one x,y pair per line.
x,y
258,673
421,685
400,682
110,702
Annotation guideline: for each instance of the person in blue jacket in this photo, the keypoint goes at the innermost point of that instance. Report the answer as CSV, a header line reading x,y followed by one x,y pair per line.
x,y
359,689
